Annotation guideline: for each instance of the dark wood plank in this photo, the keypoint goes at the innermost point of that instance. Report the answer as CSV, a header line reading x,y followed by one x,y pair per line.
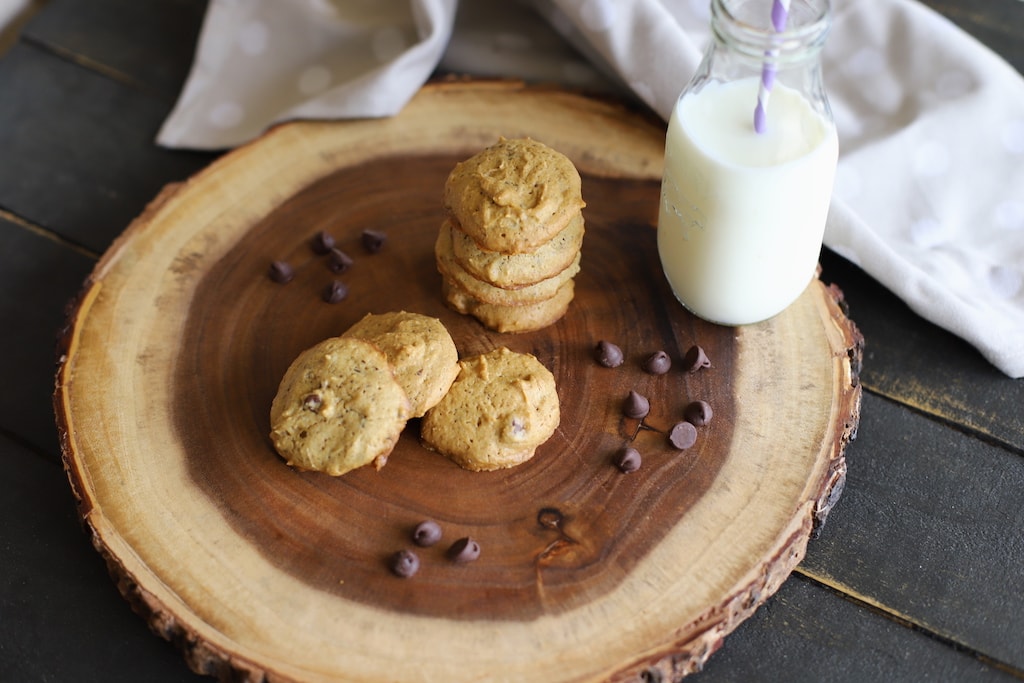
x,y
149,44
77,147
807,633
997,23
930,528
34,288
922,366
62,617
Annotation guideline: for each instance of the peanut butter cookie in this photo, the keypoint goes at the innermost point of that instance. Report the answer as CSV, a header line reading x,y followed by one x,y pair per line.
x,y
501,407
487,293
514,196
338,407
420,350
512,271
514,319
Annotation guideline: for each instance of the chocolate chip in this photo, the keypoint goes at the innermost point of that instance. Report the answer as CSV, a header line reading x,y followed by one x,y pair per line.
x,y
464,550
627,460
373,240
636,406
695,359
683,435
281,272
426,533
404,563
322,242
312,402
338,261
335,292
608,354
658,363
698,413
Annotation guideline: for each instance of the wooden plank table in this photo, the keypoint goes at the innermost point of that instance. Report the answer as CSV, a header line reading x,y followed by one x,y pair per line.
x,y
918,575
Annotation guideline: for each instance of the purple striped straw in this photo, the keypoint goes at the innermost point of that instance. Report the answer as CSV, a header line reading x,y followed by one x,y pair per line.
x,y
780,12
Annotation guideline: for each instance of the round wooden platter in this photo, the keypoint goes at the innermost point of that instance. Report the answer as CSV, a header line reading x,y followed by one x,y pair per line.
x,y
177,343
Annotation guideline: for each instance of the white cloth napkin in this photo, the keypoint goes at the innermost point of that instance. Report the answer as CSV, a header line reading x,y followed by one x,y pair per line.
x,y
929,195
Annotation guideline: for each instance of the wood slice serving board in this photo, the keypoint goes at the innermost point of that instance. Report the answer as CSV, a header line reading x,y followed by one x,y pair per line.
x,y
177,343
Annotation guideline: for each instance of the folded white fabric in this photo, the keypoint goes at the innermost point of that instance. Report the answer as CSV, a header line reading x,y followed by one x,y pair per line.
x,y
929,196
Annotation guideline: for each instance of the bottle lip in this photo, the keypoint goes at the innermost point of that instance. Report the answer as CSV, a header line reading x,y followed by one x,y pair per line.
x,y
747,26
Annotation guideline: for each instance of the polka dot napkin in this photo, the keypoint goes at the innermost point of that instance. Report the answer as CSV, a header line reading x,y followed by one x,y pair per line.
x,y
929,194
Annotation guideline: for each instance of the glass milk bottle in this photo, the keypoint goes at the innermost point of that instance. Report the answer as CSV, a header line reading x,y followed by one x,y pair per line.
x,y
750,156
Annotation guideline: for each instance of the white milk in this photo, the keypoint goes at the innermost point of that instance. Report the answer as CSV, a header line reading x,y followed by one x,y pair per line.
x,y
742,214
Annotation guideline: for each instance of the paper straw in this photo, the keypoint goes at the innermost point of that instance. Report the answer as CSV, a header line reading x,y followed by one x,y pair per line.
x,y
780,12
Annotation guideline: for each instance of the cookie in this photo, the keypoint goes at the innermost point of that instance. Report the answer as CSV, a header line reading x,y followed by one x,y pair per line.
x,y
338,407
514,319
511,271
501,407
514,196
420,350
487,293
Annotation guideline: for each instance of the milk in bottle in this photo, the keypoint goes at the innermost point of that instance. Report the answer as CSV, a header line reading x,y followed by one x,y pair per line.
x,y
742,212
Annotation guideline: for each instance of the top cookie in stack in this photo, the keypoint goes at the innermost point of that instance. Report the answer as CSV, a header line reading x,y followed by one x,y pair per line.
x,y
510,243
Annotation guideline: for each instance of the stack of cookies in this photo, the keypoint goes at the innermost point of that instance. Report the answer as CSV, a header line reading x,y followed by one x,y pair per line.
x,y
509,246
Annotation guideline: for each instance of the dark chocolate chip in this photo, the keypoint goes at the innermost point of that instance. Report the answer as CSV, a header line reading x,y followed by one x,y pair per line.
x,y
322,242
550,518
608,354
312,402
335,292
281,272
658,363
404,563
683,435
636,406
627,460
338,261
695,359
464,550
698,413
373,240
426,533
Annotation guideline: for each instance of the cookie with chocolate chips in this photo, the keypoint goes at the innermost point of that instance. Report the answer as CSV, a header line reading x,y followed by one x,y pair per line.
x,y
512,271
501,407
538,292
514,196
513,319
338,407
420,350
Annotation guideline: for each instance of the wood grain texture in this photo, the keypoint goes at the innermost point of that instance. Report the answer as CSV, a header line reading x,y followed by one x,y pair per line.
x,y
996,23
154,60
920,365
946,503
40,277
49,564
794,638
79,176
258,570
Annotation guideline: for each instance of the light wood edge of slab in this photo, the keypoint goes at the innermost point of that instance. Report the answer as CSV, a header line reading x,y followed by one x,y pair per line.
x,y
705,636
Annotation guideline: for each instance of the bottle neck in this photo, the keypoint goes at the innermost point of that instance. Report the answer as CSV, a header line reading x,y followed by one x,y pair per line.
x,y
746,27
